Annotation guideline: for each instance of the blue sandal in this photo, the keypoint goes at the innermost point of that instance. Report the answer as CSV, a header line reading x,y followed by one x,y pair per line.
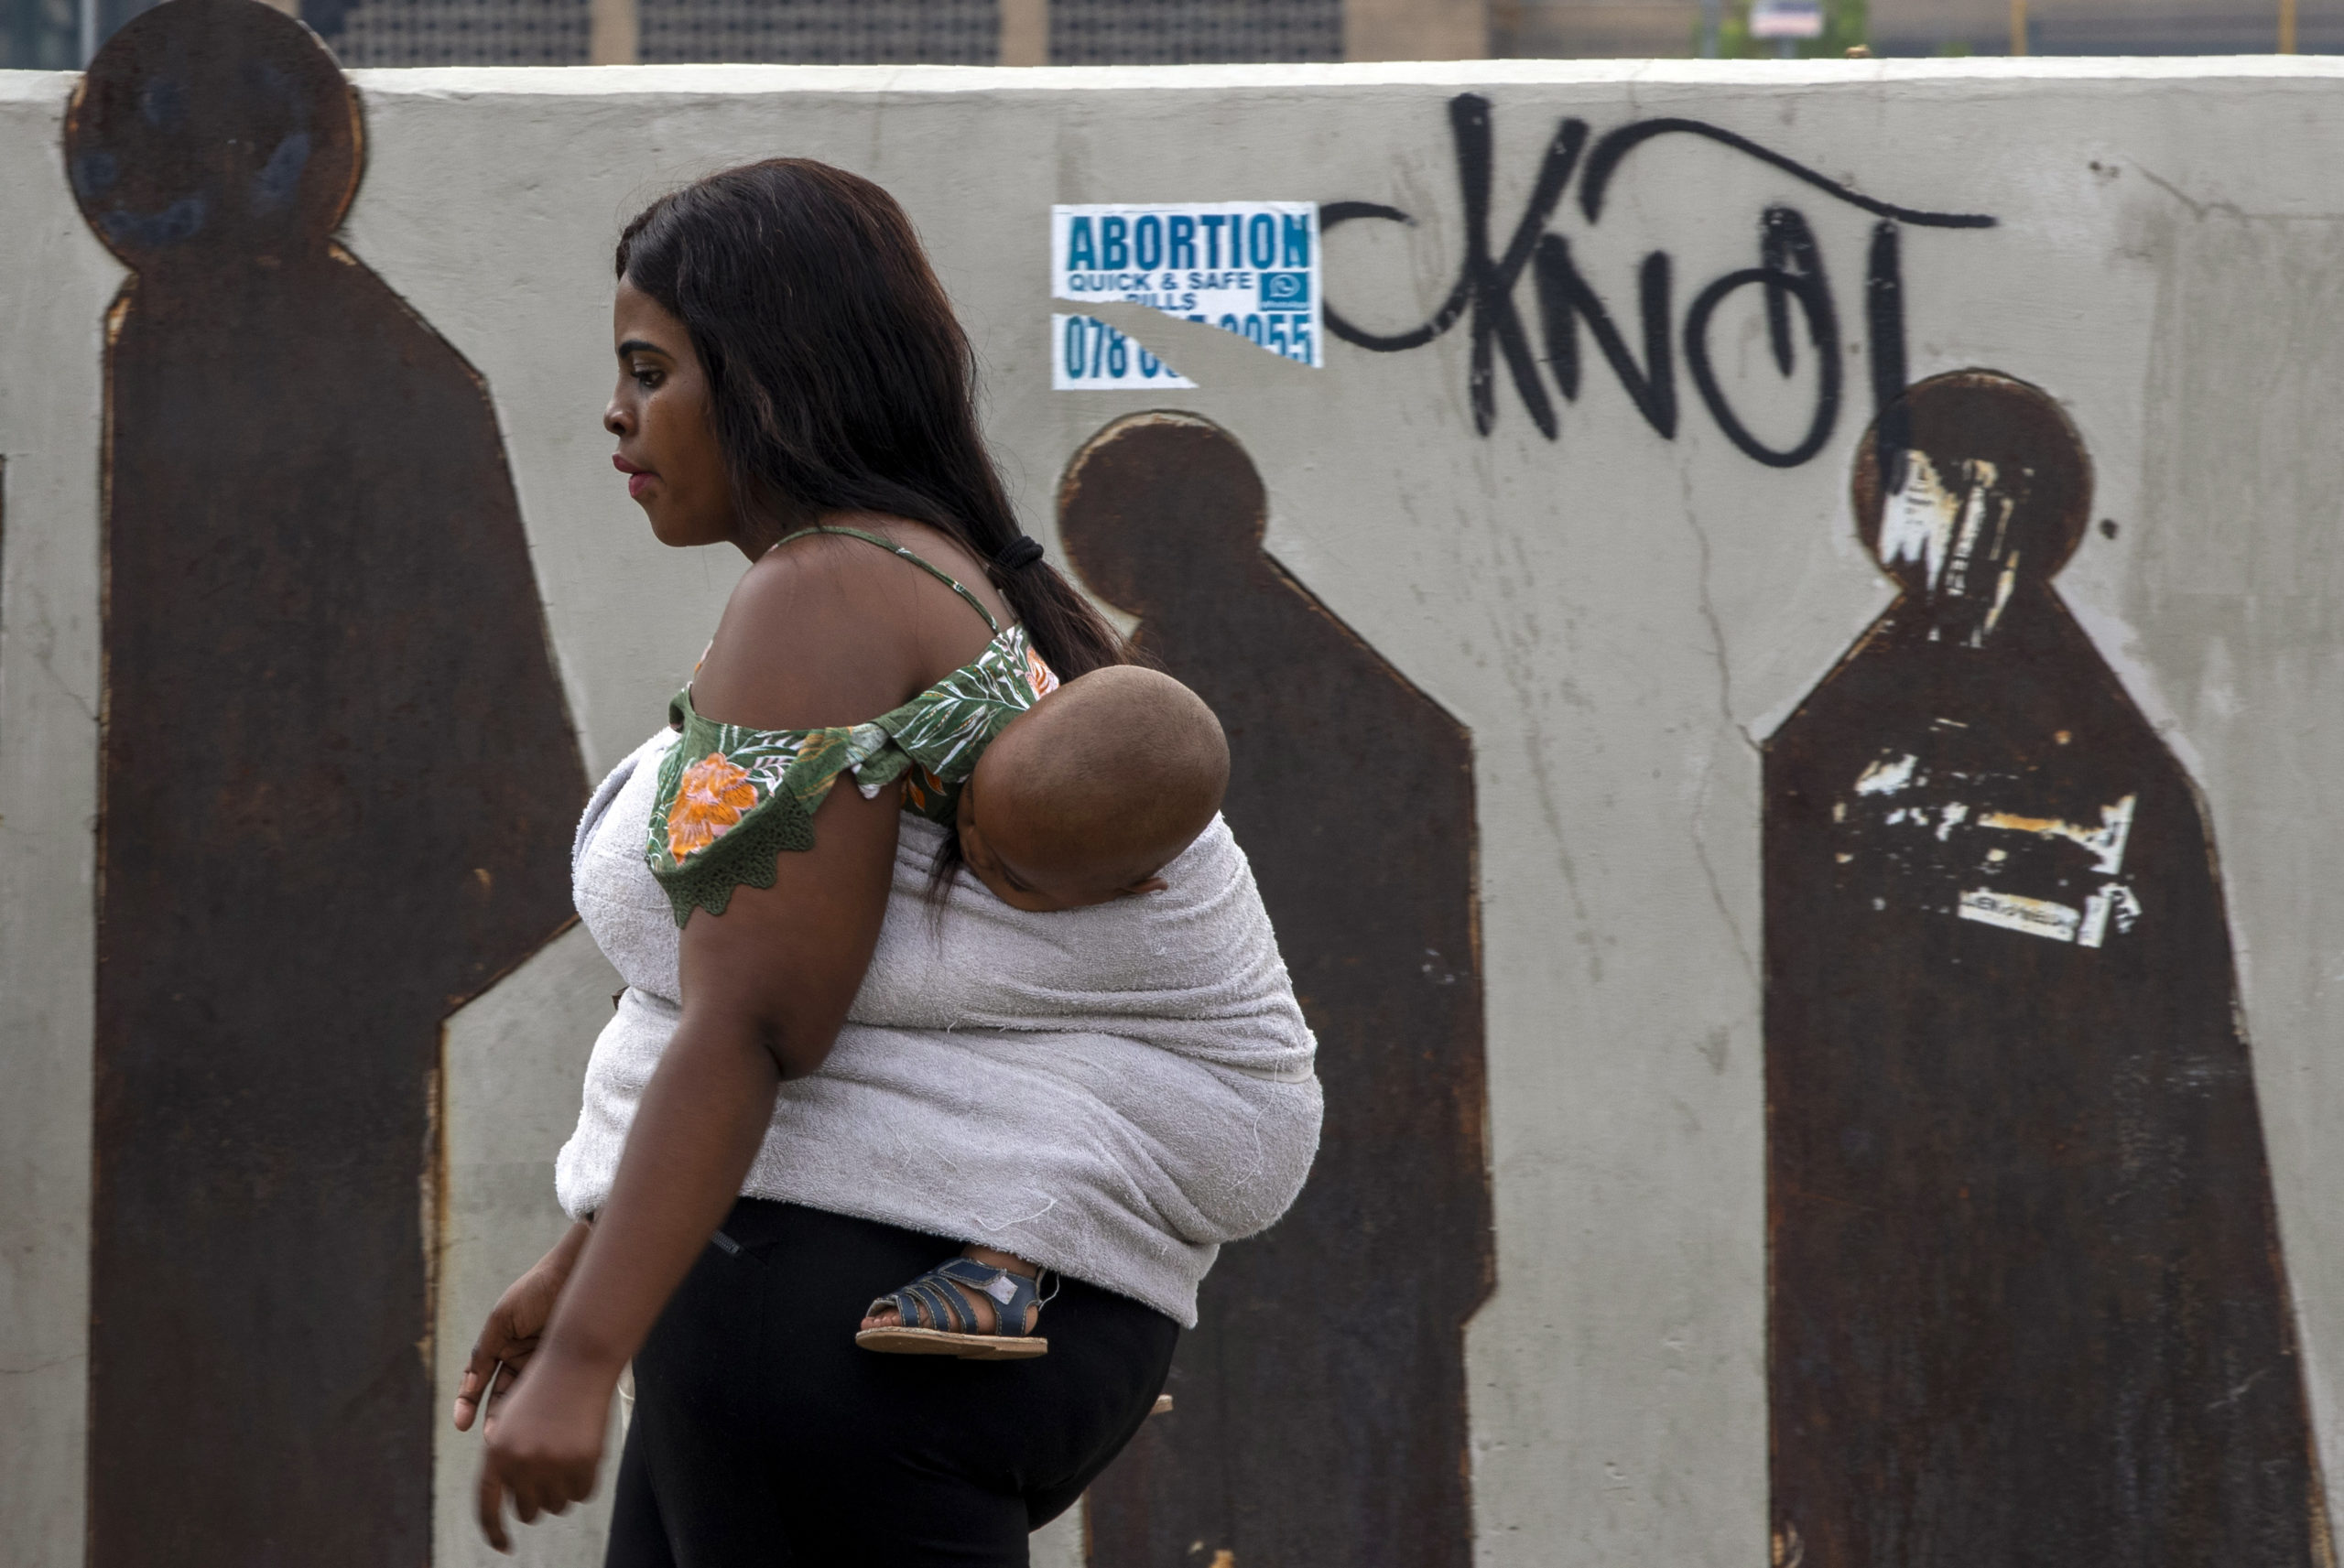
x,y
937,1320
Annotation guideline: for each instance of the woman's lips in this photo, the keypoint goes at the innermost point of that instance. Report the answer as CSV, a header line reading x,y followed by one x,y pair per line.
x,y
637,481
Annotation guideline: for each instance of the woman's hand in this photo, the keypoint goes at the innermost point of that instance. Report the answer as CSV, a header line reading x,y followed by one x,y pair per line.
x,y
546,1444
510,1335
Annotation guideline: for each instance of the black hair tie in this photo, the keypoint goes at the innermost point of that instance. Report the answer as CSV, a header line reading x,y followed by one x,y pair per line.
x,y
1018,554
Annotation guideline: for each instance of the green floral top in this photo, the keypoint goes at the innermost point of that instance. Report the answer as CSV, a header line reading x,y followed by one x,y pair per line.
x,y
732,798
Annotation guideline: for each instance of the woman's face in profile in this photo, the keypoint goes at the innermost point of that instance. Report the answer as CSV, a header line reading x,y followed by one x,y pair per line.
x,y
666,426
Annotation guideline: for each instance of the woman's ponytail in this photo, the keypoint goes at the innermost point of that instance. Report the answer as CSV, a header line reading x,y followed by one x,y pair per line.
x,y
1063,626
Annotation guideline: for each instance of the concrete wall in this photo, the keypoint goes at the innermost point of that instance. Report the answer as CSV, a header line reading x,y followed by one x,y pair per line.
x,y
1618,617
1594,29
48,716
1414,29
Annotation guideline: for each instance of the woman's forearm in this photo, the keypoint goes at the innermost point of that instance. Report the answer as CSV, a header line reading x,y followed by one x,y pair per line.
x,y
563,1257
698,1129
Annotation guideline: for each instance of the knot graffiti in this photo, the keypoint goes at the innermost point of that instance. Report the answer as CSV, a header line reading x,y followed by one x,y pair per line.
x,y
1790,275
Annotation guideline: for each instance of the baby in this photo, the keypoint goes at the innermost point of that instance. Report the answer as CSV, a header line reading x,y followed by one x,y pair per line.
x,y
1082,800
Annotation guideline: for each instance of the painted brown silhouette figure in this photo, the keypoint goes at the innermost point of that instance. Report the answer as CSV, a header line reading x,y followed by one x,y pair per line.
x,y
337,789
1320,1402
2026,1300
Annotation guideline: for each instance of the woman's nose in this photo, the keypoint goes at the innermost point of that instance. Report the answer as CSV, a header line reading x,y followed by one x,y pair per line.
x,y
615,420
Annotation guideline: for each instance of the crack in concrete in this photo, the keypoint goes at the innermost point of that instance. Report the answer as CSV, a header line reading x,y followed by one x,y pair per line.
x,y
1725,717
40,642
2201,209
1517,641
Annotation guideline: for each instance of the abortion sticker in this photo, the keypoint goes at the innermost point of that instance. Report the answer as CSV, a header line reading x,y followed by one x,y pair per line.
x,y
1248,267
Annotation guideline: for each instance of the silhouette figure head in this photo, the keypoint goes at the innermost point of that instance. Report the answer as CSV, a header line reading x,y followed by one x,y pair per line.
x,y
1970,488
1155,500
207,129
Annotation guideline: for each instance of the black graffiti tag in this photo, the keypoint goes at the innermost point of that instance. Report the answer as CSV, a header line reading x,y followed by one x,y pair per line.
x,y
1790,273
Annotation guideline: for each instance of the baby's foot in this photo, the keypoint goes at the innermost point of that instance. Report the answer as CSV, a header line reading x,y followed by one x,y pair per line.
x,y
982,1307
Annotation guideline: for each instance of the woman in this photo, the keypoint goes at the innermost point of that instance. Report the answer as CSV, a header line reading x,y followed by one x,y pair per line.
x,y
790,369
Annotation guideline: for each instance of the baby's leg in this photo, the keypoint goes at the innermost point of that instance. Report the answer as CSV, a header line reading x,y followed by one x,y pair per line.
x,y
980,1305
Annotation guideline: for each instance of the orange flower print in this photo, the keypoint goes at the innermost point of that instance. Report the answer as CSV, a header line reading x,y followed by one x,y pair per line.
x,y
710,798
1040,676
919,785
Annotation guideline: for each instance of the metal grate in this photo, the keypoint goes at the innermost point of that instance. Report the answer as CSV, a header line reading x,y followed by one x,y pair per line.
x,y
825,32
1193,32
821,32
459,32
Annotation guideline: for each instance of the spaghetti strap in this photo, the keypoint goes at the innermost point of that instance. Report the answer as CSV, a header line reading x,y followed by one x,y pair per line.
x,y
894,548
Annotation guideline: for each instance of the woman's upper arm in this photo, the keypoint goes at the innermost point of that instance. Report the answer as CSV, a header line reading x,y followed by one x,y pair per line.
x,y
785,961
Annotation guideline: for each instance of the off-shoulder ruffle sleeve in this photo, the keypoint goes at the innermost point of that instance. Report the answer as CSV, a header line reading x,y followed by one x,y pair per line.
x,y
732,800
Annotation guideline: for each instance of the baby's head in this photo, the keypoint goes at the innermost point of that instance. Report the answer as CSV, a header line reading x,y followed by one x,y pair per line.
x,y
1097,788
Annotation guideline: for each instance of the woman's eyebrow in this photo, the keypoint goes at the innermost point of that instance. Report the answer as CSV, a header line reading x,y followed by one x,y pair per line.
x,y
637,346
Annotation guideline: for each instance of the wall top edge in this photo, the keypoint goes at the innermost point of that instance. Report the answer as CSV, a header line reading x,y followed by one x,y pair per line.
x,y
50,88
47,88
667,81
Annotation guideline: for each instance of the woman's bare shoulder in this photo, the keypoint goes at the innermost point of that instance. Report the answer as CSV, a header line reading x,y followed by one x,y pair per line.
x,y
811,636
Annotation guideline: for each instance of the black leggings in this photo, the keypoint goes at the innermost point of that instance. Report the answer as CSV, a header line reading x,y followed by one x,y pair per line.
x,y
762,1435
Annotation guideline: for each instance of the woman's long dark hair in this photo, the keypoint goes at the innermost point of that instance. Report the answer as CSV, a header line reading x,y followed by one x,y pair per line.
x,y
842,381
